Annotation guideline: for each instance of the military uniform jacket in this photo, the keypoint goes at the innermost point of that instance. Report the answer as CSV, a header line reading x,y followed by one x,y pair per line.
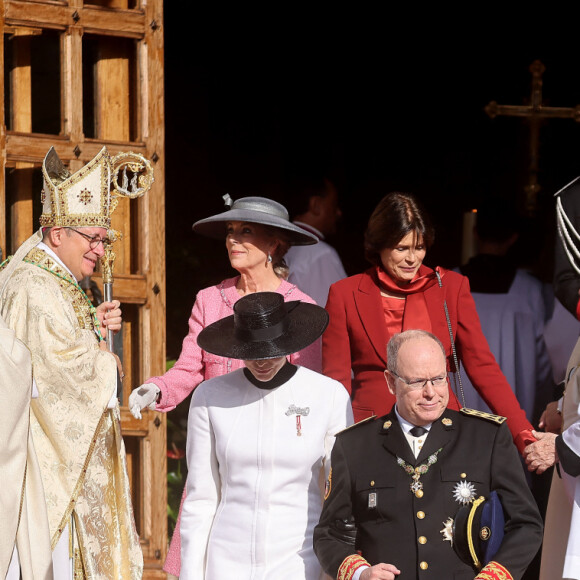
x,y
394,526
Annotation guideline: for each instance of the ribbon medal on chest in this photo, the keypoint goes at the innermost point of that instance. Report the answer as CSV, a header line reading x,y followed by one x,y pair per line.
x,y
299,412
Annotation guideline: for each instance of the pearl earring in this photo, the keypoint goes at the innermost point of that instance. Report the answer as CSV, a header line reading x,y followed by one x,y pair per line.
x,y
269,258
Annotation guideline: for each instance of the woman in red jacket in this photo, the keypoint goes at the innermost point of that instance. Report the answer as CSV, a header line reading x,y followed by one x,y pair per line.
x,y
400,293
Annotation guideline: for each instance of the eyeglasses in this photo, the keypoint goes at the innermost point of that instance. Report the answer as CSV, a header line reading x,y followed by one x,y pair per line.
x,y
94,241
422,383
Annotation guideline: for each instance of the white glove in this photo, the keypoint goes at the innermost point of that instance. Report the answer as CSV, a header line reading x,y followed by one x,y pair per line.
x,y
141,397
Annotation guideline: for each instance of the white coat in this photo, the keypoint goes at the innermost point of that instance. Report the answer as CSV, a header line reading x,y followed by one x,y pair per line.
x,y
253,488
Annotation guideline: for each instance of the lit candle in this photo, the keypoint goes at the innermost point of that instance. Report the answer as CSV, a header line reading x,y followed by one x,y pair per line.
x,y
468,247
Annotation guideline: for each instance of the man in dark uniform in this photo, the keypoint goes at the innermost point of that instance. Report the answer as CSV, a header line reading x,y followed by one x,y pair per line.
x,y
566,278
397,483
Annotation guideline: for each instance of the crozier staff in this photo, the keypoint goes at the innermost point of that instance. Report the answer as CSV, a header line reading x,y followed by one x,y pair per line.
x,y
258,441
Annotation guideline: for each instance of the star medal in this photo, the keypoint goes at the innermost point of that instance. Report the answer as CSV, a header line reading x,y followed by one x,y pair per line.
x,y
464,492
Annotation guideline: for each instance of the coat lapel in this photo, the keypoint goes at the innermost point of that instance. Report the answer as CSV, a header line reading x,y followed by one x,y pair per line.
x,y
394,440
368,302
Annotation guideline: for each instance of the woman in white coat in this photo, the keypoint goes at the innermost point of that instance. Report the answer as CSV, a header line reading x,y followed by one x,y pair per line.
x,y
258,447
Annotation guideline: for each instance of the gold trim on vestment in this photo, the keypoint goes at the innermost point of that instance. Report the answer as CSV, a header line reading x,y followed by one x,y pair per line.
x,y
78,299
78,572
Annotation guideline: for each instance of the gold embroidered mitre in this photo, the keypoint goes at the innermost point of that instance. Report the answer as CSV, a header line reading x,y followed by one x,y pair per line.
x,y
82,199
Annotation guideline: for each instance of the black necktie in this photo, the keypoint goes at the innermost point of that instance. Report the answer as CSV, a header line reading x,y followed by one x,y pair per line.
x,y
418,431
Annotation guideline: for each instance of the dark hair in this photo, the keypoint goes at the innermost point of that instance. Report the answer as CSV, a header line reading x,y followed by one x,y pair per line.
x,y
396,215
301,190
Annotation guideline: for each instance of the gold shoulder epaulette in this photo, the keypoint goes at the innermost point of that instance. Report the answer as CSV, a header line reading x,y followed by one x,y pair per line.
x,y
371,418
498,419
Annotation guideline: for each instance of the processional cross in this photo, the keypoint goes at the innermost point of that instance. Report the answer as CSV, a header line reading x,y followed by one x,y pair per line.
x,y
535,112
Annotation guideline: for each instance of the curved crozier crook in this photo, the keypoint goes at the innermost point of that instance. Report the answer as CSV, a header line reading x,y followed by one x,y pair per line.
x,y
135,173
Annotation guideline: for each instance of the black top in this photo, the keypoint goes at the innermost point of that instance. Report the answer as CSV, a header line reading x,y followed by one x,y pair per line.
x,y
281,377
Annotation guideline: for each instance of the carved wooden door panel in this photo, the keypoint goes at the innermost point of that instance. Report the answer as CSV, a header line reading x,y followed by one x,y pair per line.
x,y
79,75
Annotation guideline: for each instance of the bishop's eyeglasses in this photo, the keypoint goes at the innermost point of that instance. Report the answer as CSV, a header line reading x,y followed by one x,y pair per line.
x,y
94,241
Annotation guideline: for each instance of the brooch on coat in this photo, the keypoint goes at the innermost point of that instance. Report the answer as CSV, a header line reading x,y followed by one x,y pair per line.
x,y
298,411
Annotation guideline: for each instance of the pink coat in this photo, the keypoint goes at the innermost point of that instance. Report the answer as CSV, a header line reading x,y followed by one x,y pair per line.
x,y
196,365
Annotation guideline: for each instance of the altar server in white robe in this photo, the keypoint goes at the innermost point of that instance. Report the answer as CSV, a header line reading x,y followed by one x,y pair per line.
x,y
24,536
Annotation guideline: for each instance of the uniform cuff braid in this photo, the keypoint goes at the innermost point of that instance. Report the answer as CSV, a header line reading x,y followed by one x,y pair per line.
x,y
349,566
494,571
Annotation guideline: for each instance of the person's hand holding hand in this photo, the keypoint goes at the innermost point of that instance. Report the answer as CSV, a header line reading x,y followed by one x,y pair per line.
x,y
541,455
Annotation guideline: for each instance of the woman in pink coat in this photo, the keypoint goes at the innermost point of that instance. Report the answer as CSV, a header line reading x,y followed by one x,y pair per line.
x,y
258,233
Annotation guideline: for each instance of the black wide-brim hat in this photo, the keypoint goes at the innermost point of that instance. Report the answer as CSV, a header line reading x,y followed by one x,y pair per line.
x,y
478,530
263,326
256,210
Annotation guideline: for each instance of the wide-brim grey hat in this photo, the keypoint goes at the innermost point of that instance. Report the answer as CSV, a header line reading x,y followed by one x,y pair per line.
x,y
257,210
263,326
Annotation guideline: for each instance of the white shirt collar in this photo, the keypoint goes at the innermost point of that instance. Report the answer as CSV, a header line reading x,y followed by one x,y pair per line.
x,y
44,247
309,228
406,426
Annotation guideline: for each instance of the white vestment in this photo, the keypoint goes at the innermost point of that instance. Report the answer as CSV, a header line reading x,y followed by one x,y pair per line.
x,y
23,516
513,324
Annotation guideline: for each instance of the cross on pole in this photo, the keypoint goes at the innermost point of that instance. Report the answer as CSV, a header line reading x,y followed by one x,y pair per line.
x,y
535,113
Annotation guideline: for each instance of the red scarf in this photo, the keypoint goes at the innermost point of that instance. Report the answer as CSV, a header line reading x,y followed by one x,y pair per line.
x,y
416,314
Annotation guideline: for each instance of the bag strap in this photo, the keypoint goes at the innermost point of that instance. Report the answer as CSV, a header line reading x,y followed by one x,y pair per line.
x,y
457,374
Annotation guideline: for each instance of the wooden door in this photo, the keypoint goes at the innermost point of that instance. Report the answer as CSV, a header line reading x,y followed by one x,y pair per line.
x,y
79,75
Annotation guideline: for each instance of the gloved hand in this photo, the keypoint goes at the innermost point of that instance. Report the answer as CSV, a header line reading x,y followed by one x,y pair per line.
x,y
141,397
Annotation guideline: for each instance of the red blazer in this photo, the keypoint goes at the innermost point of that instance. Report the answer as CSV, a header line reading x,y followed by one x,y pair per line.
x,y
357,336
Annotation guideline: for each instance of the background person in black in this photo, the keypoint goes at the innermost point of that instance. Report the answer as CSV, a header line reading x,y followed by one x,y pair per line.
x,y
404,531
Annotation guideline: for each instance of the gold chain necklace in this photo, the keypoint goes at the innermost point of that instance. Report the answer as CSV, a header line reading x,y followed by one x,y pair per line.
x,y
416,486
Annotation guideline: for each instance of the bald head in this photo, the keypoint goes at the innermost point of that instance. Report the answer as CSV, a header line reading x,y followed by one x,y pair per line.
x,y
417,376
